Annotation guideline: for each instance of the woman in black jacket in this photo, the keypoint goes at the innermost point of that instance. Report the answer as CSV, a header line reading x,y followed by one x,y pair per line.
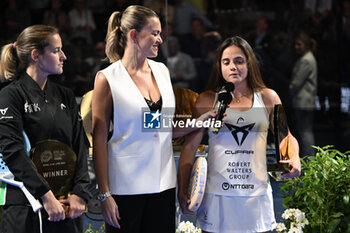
x,y
43,110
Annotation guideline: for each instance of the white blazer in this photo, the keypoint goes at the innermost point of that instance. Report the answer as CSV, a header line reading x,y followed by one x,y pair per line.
x,y
138,161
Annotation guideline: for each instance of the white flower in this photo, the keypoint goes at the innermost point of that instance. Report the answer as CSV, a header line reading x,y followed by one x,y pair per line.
x,y
187,227
280,227
295,230
299,216
297,220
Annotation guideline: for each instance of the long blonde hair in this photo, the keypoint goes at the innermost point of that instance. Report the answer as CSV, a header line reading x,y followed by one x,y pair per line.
x,y
15,56
119,24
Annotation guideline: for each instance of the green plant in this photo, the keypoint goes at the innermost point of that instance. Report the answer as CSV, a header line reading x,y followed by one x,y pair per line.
x,y
90,230
322,192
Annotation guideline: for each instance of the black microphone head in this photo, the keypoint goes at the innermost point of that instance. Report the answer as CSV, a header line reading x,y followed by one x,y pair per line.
x,y
230,87
225,94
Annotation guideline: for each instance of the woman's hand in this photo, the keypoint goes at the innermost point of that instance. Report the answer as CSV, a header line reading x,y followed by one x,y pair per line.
x,y
294,159
184,203
295,167
207,115
53,207
110,212
75,204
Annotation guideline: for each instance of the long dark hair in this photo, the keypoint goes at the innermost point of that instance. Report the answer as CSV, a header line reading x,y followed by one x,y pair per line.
x,y
254,79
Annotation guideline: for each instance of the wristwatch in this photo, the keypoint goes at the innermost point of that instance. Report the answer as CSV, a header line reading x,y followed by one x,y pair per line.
x,y
102,196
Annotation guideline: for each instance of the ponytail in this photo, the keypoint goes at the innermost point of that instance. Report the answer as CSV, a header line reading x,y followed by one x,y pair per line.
x,y
115,38
8,61
119,25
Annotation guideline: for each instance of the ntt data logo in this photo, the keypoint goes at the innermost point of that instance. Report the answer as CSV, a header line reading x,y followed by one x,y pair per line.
x,y
152,120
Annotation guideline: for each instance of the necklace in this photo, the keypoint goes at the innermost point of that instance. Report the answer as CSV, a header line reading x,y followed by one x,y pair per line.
x,y
238,98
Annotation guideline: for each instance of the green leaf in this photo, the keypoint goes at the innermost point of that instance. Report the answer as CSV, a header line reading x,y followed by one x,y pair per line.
x,y
287,200
337,215
333,224
346,199
348,230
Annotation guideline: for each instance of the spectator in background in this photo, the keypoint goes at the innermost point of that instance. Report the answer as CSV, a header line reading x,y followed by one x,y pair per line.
x,y
184,13
303,90
282,62
37,9
77,73
158,6
210,43
98,60
82,24
55,16
260,39
320,26
180,65
317,17
192,42
200,4
163,52
17,17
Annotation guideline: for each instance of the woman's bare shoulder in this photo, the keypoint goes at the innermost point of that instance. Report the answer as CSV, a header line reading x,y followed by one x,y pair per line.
x,y
270,97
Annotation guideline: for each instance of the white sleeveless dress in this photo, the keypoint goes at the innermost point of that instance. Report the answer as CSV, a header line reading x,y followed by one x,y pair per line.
x,y
238,196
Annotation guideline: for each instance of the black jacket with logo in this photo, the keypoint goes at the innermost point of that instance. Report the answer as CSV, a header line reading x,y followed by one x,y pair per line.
x,y
43,114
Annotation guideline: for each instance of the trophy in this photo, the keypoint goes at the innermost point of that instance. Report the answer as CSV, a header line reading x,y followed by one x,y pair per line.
x,y
281,138
55,162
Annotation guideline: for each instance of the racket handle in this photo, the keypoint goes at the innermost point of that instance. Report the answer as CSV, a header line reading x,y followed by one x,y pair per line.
x,y
36,205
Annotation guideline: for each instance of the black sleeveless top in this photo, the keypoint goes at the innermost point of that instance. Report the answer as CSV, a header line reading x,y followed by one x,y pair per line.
x,y
154,106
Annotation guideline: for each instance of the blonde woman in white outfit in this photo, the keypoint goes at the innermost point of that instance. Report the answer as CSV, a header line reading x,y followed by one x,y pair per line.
x,y
238,196
135,170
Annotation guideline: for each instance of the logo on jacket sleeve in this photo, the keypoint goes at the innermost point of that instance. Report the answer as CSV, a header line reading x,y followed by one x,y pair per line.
x,y
3,111
152,120
3,114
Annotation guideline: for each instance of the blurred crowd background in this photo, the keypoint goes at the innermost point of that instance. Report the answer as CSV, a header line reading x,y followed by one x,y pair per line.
x,y
192,30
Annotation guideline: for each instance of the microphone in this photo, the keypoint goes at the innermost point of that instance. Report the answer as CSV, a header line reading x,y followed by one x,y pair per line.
x,y
225,97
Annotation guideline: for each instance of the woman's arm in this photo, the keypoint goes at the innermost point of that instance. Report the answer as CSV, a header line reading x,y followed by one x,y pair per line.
x,y
271,98
80,194
102,107
179,132
101,116
189,149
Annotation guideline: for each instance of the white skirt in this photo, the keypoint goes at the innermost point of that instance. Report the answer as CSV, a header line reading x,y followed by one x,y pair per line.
x,y
226,214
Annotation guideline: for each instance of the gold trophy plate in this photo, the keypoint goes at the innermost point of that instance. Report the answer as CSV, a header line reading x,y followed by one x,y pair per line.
x,y
55,162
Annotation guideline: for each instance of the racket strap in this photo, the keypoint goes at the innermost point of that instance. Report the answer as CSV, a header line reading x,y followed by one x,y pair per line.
x,y
3,189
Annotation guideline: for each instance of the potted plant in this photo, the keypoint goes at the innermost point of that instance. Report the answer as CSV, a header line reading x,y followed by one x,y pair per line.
x,y
322,192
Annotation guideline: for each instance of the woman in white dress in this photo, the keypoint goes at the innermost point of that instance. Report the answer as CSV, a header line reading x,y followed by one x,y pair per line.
x,y
238,196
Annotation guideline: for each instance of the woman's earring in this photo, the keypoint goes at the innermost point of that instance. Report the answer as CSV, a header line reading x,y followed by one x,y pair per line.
x,y
135,52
